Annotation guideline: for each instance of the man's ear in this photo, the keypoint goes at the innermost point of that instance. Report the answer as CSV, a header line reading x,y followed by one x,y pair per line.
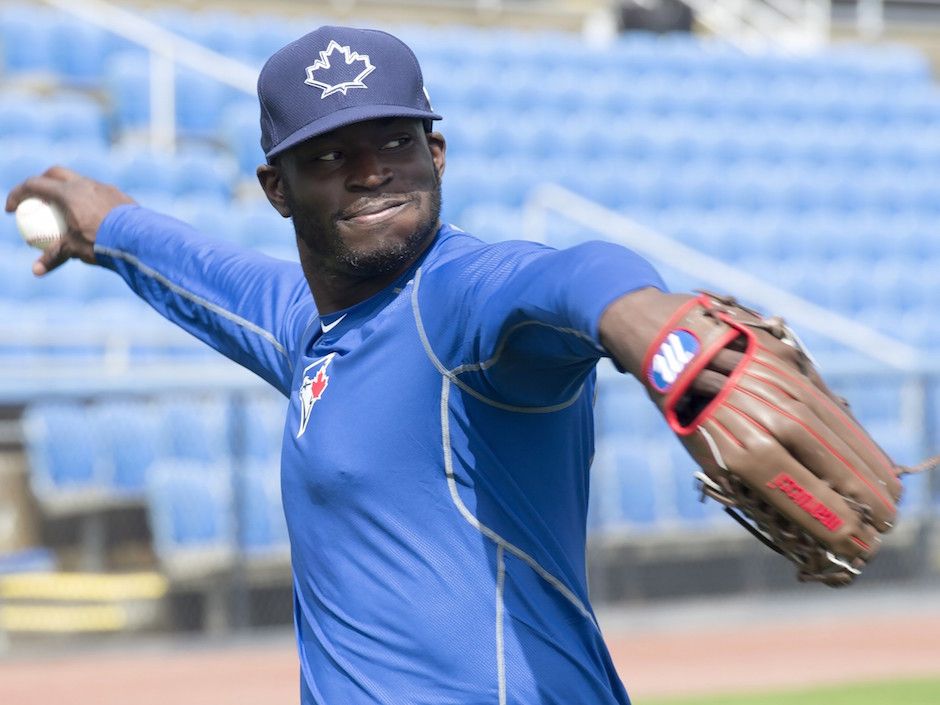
x,y
438,146
272,182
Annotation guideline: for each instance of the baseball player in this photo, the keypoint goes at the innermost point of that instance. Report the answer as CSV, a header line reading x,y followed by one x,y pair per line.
x,y
439,429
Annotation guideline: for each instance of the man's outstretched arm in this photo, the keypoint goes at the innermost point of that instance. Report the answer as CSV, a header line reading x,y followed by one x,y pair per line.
x,y
248,306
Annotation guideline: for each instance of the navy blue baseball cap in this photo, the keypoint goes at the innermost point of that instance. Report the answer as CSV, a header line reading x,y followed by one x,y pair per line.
x,y
335,76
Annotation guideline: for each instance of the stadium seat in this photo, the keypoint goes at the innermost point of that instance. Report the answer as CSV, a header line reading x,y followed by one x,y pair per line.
x,y
22,116
61,448
258,426
27,43
200,102
492,222
195,430
139,170
79,50
128,434
127,80
204,172
76,118
21,158
257,224
240,128
190,507
262,526
689,506
638,483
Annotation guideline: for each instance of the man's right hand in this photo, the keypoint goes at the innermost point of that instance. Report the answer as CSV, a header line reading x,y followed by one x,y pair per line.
x,y
85,204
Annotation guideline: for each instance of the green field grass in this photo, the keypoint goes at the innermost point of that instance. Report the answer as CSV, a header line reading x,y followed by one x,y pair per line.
x,y
904,692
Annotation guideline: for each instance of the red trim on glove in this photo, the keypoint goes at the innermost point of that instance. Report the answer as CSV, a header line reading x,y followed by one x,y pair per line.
x,y
840,413
667,328
700,363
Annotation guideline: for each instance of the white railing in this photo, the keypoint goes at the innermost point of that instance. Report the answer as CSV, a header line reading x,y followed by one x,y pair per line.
x,y
789,24
715,274
166,51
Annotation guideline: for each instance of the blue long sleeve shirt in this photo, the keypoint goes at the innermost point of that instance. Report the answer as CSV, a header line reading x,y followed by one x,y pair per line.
x,y
435,455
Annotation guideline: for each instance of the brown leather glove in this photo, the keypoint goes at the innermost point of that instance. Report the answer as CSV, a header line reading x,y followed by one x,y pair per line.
x,y
775,444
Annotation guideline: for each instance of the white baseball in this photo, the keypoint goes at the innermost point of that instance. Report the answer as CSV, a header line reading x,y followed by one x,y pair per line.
x,y
40,223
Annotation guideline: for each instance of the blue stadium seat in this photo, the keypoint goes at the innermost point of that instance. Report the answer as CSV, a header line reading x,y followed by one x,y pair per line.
x,y
638,480
241,131
61,448
77,118
22,158
257,224
190,506
492,222
209,214
259,425
196,430
261,514
27,43
127,80
91,159
201,171
79,50
128,434
140,170
200,102
689,506
23,115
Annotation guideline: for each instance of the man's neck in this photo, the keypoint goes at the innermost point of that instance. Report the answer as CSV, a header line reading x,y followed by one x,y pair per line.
x,y
335,290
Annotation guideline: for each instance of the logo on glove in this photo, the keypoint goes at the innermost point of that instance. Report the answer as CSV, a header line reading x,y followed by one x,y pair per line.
x,y
678,348
806,501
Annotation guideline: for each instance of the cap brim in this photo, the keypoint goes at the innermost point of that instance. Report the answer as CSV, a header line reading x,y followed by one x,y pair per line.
x,y
348,116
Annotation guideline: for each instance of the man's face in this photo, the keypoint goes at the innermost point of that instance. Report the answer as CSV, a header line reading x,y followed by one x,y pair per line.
x,y
365,199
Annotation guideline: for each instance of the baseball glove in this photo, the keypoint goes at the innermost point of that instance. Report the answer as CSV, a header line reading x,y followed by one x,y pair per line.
x,y
775,445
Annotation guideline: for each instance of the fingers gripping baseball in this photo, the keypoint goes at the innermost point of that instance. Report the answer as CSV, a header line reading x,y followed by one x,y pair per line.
x,y
84,204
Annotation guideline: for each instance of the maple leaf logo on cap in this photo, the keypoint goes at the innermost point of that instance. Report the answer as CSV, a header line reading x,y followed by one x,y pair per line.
x,y
338,73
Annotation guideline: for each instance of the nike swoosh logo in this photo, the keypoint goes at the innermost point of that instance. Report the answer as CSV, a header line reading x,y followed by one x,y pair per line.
x,y
328,328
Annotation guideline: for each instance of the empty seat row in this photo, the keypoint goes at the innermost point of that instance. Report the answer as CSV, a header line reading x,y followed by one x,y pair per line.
x,y
112,444
199,507
195,171
41,38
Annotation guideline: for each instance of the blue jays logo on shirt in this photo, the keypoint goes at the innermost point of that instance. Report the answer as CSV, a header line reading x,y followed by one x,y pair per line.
x,y
312,387
675,352
338,69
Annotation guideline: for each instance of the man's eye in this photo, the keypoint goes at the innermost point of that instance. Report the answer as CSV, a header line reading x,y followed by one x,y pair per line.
x,y
328,157
397,142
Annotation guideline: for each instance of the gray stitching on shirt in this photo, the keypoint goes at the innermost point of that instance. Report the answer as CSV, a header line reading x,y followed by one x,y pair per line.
x,y
486,364
500,648
190,296
483,528
452,375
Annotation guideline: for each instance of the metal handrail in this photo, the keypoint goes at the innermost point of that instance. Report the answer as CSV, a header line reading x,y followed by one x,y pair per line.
x,y
166,50
717,274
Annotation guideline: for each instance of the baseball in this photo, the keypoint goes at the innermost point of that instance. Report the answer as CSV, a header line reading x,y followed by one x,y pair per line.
x,y
40,223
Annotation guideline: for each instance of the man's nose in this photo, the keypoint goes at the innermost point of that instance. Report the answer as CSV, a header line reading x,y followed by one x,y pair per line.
x,y
367,172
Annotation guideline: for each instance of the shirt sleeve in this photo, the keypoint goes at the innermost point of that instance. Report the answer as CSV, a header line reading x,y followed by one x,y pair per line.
x,y
250,307
530,315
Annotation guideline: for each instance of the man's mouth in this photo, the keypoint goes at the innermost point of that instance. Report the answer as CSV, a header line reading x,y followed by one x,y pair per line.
x,y
368,212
